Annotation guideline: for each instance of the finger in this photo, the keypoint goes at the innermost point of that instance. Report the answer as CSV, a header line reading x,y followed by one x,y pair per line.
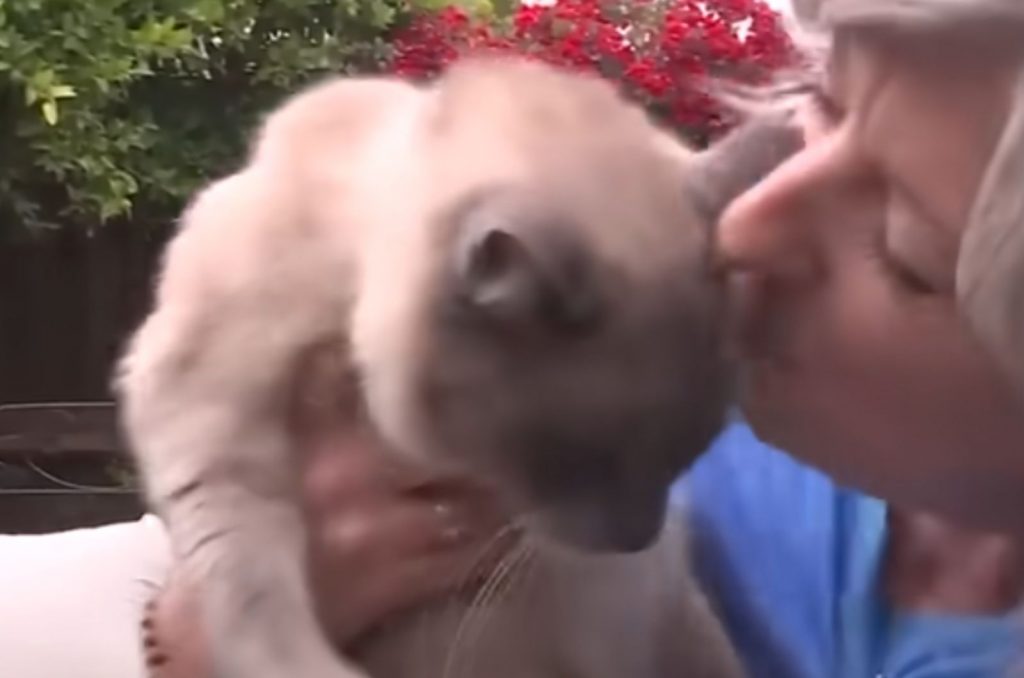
x,y
358,473
362,565
380,533
348,475
357,466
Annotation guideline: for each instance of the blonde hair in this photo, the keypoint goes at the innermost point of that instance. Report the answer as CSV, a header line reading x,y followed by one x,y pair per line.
x,y
990,268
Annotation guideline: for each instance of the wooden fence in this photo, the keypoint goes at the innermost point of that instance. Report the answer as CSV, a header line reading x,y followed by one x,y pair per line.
x,y
62,465
67,303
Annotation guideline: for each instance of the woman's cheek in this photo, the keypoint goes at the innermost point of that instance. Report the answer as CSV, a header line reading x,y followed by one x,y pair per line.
x,y
901,388
857,371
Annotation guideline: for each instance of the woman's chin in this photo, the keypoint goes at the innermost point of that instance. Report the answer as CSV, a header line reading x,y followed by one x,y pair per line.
x,y
765,378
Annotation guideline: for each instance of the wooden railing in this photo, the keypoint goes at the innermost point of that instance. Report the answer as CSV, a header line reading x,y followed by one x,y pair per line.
x,y
62,466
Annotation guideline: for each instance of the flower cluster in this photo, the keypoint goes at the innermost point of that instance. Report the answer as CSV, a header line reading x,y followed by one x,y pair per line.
x,y
663,53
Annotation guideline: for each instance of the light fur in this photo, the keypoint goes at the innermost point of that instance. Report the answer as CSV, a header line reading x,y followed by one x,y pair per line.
x,y
339,232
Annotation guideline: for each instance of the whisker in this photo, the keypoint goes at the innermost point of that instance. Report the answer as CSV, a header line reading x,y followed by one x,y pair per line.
x,y
493,543
482,607
469,577
515,575
483,593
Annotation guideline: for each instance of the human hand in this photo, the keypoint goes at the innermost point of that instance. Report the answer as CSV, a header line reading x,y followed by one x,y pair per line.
x,y
384,536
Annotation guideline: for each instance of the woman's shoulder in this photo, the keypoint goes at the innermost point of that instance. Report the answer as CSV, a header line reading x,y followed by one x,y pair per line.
x,y
770,540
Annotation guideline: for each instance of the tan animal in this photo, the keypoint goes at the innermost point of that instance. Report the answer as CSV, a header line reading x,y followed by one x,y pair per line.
x,y
509,260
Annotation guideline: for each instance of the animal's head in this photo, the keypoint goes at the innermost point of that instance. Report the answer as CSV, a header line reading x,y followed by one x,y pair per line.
x,y
563,340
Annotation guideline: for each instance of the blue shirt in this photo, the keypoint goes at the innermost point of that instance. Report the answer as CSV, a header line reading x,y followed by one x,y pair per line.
x,y
791,560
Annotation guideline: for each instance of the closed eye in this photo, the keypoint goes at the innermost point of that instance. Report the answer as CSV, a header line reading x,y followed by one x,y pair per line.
x,y
906,276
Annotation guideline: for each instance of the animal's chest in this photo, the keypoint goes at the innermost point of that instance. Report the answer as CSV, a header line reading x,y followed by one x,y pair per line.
x,y
541,631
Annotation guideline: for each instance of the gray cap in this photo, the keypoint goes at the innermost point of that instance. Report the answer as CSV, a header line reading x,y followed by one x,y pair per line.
x,y
915,14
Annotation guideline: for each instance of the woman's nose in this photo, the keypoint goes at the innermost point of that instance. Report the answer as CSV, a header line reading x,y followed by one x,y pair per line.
x,y
756,236
775,229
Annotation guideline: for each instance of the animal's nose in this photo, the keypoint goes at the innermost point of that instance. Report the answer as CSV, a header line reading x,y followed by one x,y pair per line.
x,y
614,535
619,524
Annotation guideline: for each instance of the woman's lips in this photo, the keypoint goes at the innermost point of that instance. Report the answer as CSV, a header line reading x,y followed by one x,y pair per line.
x,y
745,297
754,328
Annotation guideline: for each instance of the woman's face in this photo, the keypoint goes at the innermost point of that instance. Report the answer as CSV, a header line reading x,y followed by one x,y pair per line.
x,y
842,263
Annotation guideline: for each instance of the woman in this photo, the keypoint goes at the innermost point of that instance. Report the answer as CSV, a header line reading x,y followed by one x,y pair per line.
x,y
878,344
856,354
878,275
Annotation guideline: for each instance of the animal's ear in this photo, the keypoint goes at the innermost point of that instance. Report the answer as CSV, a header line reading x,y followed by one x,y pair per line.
x,y
734,164
523,274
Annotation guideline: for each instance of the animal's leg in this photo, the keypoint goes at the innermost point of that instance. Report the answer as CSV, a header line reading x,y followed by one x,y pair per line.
x,y
206,388
216,457
248,553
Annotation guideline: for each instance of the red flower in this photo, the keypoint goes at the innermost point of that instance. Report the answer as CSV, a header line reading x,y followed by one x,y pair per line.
x,y
661,55
453,17
528,18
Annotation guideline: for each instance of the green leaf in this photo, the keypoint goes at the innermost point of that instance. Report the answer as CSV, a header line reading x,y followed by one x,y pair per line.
x,y
63,92
382,15
42,80
133,104
50,112
208,11
480,8
504,8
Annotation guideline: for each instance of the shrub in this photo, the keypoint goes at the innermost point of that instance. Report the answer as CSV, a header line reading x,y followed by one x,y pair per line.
x,y
118,108
662,52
